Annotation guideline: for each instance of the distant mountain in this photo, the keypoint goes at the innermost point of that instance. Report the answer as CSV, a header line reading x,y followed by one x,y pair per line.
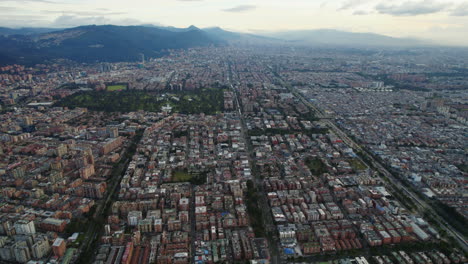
x,y
127,43
100,43
174,29
220,33
214,32
238,38
25,31
343,38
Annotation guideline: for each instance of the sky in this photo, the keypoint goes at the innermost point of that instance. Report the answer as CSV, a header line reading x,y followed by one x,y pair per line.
x,y
441,21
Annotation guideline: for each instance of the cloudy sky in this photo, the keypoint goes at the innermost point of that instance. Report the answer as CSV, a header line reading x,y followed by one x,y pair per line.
x,y
443,21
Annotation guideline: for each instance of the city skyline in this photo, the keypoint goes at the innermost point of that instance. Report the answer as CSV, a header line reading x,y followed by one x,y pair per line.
x,y
441,22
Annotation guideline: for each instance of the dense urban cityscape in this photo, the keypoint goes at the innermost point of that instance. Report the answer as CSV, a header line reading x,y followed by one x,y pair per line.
x,y
237,154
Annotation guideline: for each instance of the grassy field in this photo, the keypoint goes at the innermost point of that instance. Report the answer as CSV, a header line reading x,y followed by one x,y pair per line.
x,y
181,176
357,165
117,87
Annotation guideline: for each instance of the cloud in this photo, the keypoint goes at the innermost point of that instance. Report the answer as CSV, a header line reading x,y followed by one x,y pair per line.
x,y
412,8
15,21
360,13
21,17
350,4
31,1
83,13
461,10
240,8
7,9
74,21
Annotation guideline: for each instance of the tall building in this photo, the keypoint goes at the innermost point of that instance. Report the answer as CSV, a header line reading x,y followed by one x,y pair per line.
x,y
88,153
85,158
6,227
6,253
113,131
61,150
21,252
19,172
87,171
41,248
24,227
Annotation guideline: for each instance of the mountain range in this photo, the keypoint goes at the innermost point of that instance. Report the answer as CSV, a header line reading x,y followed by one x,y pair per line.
x,y
99,43
126,43
26,31
343,38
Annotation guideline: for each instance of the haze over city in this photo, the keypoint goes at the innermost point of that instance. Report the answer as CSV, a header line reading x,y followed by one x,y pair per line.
x,y
439,21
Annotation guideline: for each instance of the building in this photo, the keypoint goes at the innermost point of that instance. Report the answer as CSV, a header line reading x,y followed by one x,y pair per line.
x,y
87,171
27,121
52,224
134,217
110,145
113,131
59,247
41,248
21,252
24,227
145,226
95,191
61,150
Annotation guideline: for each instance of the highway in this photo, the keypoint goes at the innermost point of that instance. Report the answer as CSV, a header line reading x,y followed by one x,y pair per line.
x,y
398,184
96,225
193,226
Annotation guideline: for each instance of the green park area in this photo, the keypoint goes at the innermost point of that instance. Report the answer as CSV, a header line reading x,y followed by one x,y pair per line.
x,y
357,165
181,176
206,100
316,166
117,87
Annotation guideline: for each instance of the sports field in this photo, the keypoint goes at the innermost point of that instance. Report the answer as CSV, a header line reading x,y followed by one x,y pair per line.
x,y
181,176
118,87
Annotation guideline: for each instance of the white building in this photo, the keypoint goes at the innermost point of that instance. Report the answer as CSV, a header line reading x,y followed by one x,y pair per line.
x,y
24,227
133,217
